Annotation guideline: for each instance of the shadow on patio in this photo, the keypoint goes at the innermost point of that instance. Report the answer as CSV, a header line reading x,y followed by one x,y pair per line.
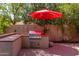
x,y
56,50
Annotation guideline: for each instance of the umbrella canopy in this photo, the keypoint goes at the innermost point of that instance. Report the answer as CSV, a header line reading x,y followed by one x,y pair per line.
x,y
45,14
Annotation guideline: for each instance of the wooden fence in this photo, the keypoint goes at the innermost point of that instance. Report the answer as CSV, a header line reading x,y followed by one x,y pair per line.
x,y
54,33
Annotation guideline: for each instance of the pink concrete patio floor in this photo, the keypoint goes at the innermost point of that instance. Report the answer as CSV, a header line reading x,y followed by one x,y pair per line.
x,y
58,49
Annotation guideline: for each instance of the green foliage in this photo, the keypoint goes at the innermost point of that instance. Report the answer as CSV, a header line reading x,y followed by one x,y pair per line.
x,y
71,15
4,23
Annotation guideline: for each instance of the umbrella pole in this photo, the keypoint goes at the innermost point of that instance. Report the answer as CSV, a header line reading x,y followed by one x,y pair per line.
x,y
45,29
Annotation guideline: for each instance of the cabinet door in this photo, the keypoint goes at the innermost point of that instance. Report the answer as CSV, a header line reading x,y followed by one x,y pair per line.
x,y
34,43
44,43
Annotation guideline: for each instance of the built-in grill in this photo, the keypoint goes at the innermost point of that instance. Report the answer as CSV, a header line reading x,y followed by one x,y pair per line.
x,y
34,38
34,34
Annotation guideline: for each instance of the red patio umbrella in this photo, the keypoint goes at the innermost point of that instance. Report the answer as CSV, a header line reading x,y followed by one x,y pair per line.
x,y
45,15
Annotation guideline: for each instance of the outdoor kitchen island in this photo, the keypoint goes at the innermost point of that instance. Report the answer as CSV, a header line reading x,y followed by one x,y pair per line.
x,y
10,45
41,43
34,40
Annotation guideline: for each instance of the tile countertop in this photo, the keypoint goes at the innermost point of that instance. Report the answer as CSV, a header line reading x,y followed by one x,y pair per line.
x,y
7,34
27,35
10,38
